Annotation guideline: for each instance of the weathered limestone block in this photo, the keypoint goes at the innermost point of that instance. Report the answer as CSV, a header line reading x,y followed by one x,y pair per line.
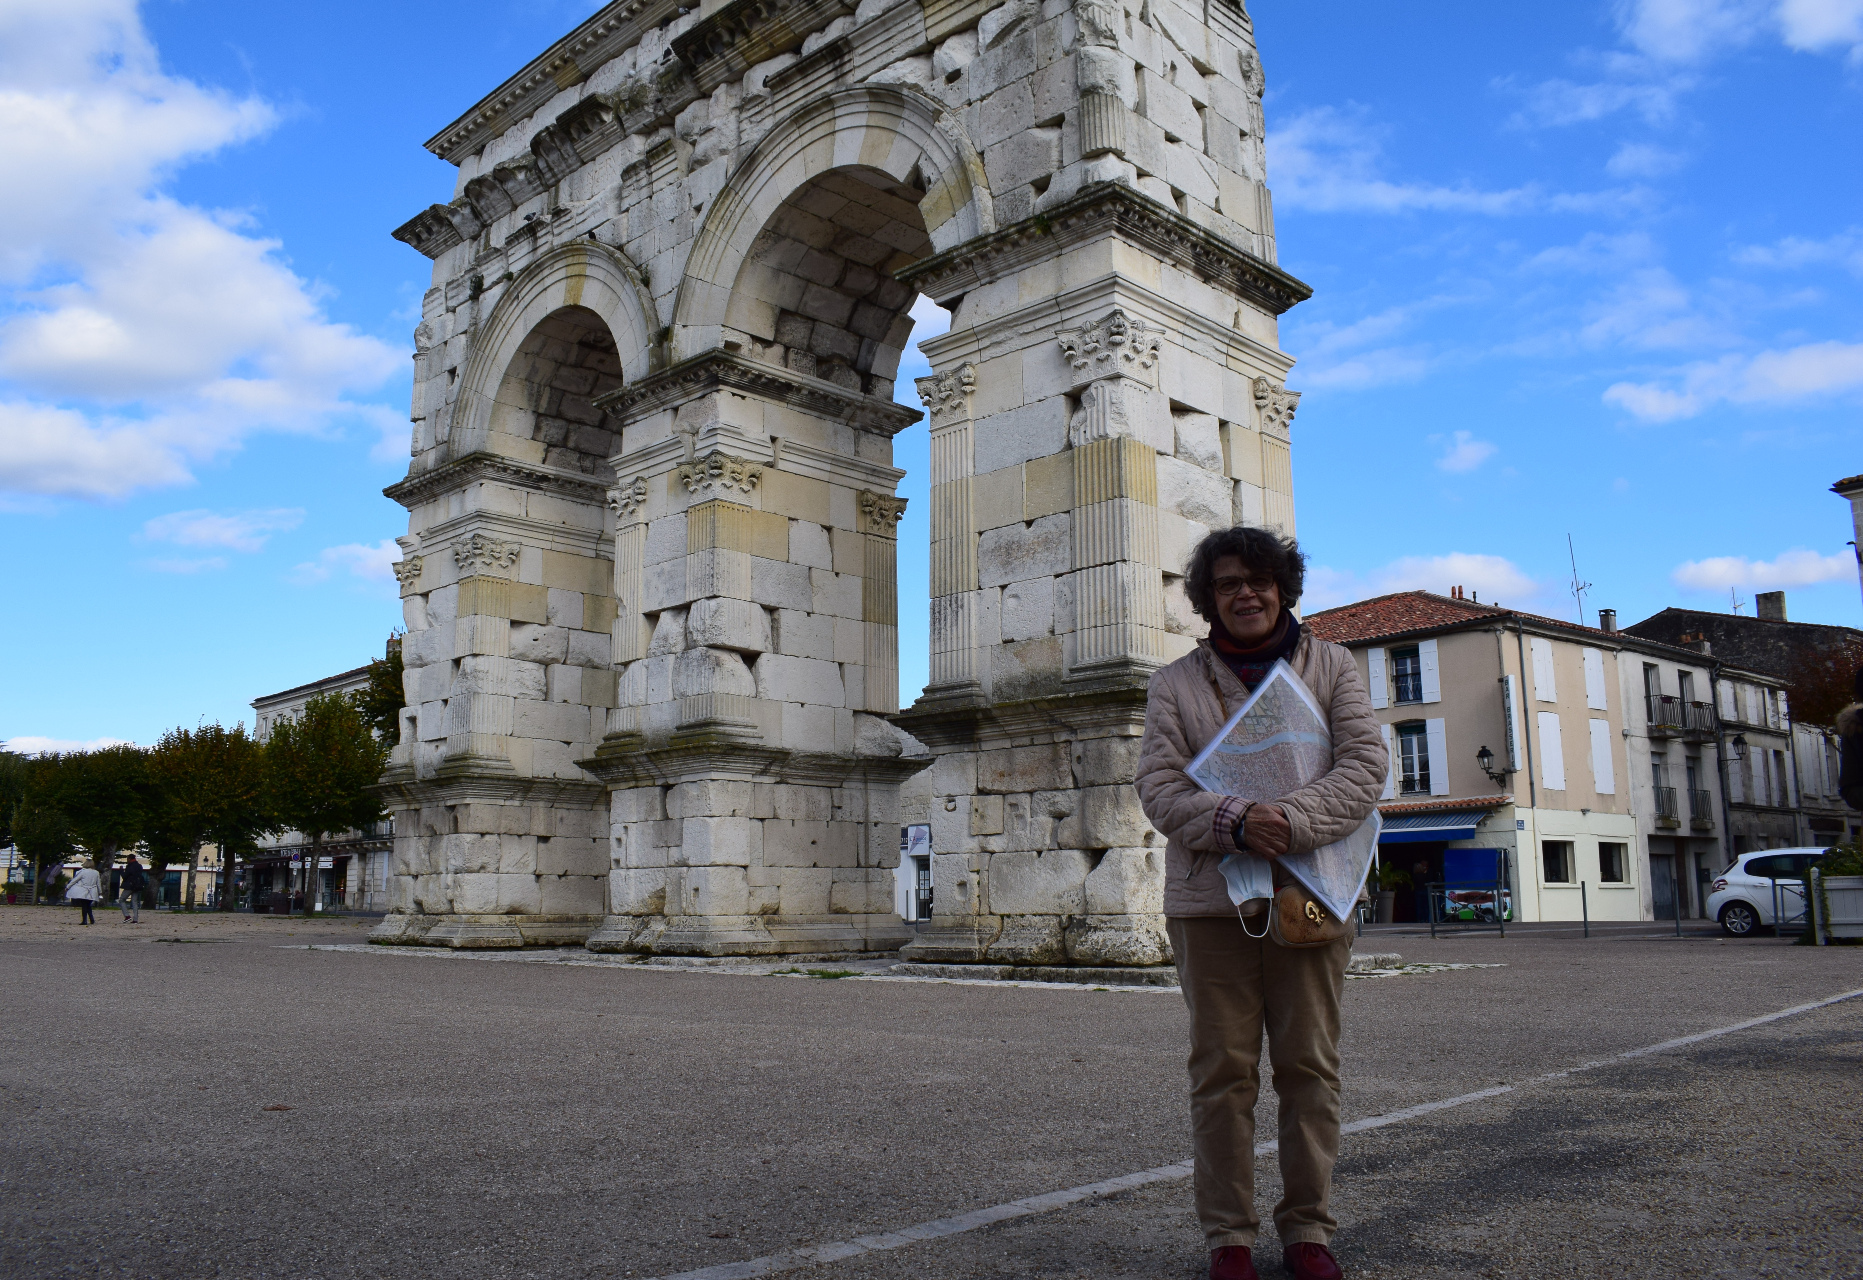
x,y
1044,883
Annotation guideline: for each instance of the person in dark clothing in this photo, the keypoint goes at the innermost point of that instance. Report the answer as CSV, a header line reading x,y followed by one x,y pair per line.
x,y
1850,734
133,883
1420,885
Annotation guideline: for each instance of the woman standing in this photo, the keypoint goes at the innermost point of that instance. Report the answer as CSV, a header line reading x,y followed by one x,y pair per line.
x,y
85,890
1236,981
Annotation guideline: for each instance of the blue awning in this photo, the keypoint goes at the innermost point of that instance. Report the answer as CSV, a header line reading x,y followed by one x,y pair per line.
x,y
1418,828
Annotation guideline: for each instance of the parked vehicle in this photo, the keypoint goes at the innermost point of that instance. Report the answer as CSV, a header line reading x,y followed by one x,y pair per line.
x,y
1742,899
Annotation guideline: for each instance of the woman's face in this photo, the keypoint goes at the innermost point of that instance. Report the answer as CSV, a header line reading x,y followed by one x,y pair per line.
x,y
1247,601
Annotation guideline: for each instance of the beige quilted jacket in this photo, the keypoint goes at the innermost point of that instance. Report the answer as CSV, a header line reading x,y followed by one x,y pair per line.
x,y
1183,713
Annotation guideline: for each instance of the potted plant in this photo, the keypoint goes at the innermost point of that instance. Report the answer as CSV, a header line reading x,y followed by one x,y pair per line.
x,y
1390,880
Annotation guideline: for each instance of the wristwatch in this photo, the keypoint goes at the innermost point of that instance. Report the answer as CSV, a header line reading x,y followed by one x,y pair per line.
x,y
1242,821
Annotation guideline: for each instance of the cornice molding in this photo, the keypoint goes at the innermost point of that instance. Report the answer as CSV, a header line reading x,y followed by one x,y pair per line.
x,y
722,47
724,371
1102,209
473,468
563,65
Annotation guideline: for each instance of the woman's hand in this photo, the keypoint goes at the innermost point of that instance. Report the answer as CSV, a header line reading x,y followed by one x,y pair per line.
x,y
1265,831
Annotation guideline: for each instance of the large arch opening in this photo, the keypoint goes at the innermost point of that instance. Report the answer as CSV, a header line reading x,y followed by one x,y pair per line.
x,y
816,293
546,395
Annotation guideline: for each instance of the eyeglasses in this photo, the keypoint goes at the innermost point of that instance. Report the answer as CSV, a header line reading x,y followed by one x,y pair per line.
x,y
1260,585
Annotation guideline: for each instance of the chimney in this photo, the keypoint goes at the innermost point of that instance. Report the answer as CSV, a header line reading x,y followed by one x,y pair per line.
x,y
1607,620
1770,605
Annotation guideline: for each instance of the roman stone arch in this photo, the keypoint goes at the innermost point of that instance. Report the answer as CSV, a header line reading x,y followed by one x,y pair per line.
x,y
650,573
899,133
586,284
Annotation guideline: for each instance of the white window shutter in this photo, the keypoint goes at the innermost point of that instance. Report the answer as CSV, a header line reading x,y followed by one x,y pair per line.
x,y
1594,681
1543,687
1380,687
1729,711
1390,763
1437,733
1552,752
1603,775
1432,675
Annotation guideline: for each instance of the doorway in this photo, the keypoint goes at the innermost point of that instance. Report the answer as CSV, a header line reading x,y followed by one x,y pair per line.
x,y
1662,885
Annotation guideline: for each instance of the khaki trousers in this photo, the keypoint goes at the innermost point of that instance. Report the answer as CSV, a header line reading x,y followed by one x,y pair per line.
x,y
1237,987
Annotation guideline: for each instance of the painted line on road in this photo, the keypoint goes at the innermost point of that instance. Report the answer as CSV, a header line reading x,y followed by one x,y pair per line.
x,y
836,1251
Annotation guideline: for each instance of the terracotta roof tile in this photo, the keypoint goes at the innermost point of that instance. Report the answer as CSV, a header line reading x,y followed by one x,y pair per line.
x,y
1404,808
1395,615
1848,482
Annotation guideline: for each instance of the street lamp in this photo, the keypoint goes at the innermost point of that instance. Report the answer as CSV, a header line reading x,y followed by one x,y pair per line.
x,y
1739,746
1485,758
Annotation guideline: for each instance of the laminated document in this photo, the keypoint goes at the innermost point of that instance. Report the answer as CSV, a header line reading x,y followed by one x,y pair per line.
x,y
1277,743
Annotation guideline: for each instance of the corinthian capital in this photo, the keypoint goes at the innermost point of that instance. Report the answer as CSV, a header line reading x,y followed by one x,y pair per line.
x,y
881,513
627,498
720,474
481,552
947,395
1116,345
1276,405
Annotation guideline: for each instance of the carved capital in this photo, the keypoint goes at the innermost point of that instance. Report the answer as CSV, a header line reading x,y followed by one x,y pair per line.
x,y
482,552
881,513
1276,405
947,395
719,473
625,499
406,571
1100,22
1116,345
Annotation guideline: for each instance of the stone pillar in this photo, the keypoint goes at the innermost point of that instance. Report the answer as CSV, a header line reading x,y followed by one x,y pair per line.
x,y
1084,446
753,779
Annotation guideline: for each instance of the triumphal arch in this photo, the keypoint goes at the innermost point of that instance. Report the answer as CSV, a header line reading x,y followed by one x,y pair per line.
x,y
649,575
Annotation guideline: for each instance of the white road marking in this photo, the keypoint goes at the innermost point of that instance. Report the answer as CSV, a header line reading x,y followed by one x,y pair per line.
x,y
814,1255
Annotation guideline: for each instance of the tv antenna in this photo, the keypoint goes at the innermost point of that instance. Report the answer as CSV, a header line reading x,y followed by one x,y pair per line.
x,y
1578,588
1734,596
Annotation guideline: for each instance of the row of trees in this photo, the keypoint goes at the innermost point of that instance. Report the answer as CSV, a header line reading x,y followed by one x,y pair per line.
x,y
209,785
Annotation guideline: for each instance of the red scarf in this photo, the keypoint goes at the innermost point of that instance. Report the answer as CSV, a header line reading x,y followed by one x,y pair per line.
x,y
1251,665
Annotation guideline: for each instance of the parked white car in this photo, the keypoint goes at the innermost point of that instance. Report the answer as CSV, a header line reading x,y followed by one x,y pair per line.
x,y
1743,894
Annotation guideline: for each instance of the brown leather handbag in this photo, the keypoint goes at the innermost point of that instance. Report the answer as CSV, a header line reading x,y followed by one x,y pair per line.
x,y
1297,919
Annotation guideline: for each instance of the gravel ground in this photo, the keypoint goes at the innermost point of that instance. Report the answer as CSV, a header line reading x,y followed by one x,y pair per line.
x,y
460,1118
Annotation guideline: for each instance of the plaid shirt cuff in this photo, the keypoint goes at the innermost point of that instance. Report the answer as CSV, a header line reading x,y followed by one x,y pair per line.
x,y
1223,823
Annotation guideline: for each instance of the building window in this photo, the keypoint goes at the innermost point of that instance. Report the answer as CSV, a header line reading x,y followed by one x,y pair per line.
x,y
1413,753
1783,798
1557,856
1612,858
1685,685
1407,668
1652,680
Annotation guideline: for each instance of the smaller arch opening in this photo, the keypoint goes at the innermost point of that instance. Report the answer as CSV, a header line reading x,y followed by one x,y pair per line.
x,y
547,393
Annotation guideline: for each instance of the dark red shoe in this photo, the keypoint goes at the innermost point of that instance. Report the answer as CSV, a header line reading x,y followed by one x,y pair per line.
x,y
1306,1261
1232,1262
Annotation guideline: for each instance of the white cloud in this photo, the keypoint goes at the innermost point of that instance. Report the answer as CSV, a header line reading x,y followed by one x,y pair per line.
x,y
29,745
1493,577
1844,249
1649,309
1794,568
359,560
237,530
1643,160
1814,371
1692,30
138,335
1465,453
1641,91
1328,160
1816,25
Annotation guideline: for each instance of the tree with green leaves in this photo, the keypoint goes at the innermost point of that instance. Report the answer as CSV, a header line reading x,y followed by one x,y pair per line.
x,y
382,699
320,767
108,798
40,830
212,783
12,791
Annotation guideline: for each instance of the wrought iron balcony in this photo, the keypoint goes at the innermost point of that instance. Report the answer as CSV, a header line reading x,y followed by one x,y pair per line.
x,y
1664,714
1667,815
1700,810
1698,721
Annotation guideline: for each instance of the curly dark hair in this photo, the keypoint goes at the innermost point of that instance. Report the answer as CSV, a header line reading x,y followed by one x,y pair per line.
x,y
1260,550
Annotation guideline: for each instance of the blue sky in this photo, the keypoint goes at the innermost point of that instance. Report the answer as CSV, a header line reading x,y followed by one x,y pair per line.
x,y
1591,269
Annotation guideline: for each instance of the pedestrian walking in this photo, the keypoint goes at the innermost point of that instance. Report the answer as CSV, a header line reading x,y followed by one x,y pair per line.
x,y
84,891
133,882
1236,980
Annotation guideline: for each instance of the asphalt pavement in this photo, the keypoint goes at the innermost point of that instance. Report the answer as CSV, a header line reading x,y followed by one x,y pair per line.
x,y
237,1103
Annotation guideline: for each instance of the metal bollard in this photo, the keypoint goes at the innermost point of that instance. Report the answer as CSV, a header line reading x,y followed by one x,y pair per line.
x,y
1817,920
1584,907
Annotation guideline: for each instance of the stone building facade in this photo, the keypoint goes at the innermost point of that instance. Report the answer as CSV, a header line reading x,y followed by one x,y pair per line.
x,y
649,578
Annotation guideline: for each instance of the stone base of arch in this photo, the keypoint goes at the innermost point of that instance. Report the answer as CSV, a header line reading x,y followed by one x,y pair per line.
x,y
483,932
